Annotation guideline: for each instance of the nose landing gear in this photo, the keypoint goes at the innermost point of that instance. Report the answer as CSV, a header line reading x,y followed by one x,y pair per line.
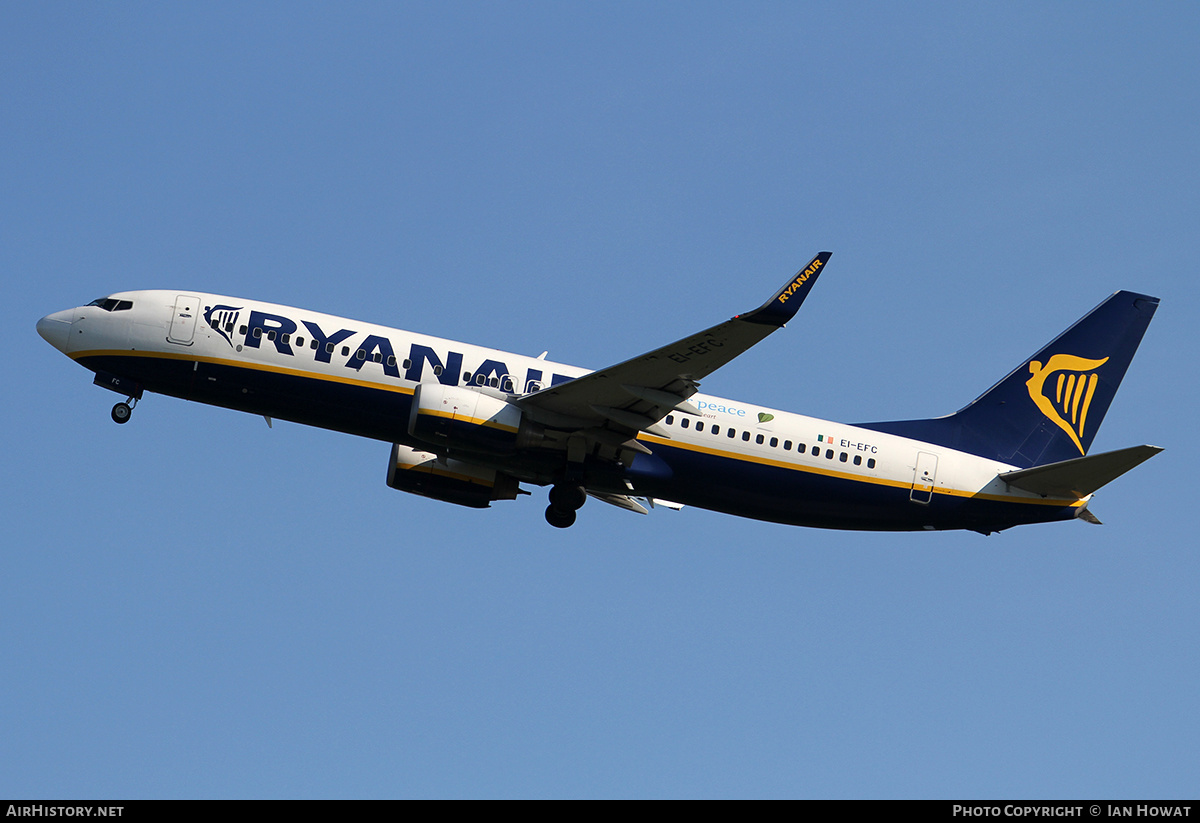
x,y
123,411
565,500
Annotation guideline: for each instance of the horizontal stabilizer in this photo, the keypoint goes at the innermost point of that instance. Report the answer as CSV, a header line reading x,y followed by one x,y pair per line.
x,y
1081,476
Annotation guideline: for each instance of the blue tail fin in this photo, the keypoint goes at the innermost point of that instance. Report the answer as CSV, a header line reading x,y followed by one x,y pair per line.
x,y
1050,407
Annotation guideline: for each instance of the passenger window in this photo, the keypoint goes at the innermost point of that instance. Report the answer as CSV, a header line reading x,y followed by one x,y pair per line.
x,y
285,338
507,385
871,463
746,436
494,382
345,351
700,426
787,446
407,364
437,371
257,333
829,454
758,439
361,354
271,335
377,357
391,360
328,347
716,429
670,420
774,442
858,459
816,452
800,447
533,386
843,457
731,433
299,342
242,330
480,379
684,422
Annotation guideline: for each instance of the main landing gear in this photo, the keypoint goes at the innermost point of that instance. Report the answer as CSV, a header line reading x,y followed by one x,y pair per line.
x,y
565,500
123,411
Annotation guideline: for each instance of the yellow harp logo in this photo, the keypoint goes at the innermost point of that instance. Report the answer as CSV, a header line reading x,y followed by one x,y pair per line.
x,y
1071,392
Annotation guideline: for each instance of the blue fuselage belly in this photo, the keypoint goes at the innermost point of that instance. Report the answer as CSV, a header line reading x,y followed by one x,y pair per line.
x,y
800,497
350,408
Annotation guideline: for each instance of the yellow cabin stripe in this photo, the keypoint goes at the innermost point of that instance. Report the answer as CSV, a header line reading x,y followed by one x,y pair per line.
x,y
476,421
649,438
858,478
244,364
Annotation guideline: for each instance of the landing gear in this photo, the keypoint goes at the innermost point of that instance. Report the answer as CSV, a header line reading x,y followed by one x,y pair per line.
x,y
560,519
123,411
565,500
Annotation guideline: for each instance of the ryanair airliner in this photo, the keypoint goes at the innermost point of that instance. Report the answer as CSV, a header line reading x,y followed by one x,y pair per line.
x,y
469,425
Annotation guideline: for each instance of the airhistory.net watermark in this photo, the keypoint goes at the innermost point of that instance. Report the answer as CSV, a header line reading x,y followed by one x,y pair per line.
x,y
41,810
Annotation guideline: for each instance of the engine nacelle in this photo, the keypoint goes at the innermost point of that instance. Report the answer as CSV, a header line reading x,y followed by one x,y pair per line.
x,y
453,481
462,417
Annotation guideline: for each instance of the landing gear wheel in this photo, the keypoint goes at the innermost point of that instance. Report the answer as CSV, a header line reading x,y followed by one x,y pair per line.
x,y
121,413
567,497
558,518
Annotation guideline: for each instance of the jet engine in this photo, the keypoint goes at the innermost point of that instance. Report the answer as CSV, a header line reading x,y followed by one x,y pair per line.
x,y
467,418
454,481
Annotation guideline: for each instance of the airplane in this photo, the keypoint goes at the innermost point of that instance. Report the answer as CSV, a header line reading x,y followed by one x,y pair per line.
x,y
468,425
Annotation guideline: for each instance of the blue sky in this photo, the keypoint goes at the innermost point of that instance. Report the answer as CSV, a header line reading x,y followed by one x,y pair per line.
x,y
197,606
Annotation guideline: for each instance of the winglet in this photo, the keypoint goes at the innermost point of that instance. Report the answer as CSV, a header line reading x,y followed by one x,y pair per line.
x,y
786,302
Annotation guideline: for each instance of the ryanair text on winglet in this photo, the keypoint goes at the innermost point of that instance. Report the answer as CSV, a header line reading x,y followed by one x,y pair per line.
x,y
799,281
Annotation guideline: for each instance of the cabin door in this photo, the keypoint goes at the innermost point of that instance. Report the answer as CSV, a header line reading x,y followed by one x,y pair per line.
x,y
183,320
924,476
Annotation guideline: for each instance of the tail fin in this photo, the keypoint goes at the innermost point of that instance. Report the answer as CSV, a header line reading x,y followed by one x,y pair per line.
x,y
1049,408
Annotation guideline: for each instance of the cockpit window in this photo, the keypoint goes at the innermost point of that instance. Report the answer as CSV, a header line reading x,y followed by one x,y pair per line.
x,y
109,304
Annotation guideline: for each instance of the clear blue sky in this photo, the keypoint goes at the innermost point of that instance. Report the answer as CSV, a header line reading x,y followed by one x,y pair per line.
x,y
196,606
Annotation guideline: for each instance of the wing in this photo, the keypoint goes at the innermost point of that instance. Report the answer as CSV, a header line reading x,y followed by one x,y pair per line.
x,y
613,404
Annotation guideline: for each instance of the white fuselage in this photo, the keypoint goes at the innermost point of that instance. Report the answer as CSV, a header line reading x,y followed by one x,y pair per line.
x,y
222,350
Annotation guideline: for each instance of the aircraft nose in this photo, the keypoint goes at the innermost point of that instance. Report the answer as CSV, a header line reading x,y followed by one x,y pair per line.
x,y
55,328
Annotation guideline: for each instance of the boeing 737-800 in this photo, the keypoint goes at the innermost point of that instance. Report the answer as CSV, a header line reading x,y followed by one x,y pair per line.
x,y
469,425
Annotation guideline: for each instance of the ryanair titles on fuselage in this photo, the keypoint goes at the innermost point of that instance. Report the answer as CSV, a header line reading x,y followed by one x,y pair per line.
x,y
354,349
279,331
